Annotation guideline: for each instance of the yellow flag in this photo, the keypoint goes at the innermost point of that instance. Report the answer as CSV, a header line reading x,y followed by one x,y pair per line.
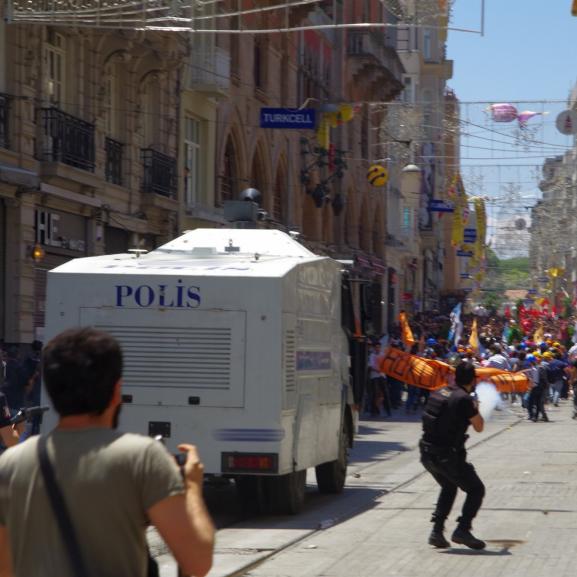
x,y
406,332
539,335
474,338
324,134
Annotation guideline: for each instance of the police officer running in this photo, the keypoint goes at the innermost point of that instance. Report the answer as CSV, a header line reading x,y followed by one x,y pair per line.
x,y
446,418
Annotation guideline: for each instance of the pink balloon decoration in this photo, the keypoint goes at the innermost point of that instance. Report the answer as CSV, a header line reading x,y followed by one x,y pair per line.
x,y
503,112
526,115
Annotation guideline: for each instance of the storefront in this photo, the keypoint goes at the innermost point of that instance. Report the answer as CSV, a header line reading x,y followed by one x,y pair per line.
x,y
62,236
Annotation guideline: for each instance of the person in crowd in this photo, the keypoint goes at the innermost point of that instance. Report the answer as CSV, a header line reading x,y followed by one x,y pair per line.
x,y
379,385
497,359
395,386
9,433
14,386
571,372
33,382
112,483
447,416
540,390
555,374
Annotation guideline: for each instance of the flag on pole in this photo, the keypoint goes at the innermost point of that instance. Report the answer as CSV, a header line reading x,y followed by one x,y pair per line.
x,y
506,334
456,325
474,342
539,335
406,332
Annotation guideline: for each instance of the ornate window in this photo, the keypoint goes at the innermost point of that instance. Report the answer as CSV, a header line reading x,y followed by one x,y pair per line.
x,y
279,197
228,185
192,160
55,67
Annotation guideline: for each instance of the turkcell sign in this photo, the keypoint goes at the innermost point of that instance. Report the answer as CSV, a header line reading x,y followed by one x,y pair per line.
x,y
177,296
288,118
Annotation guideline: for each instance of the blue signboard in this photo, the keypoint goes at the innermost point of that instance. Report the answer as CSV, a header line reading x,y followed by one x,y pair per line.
x,y
288,118
467,253
532,291
543,279
465,275
470,235
438,205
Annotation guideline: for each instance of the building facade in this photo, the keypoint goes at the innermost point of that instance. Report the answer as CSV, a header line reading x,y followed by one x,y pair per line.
x,y
88,154
118,140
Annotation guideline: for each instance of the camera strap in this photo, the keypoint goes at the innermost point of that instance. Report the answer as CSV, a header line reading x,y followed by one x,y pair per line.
x,y
60,510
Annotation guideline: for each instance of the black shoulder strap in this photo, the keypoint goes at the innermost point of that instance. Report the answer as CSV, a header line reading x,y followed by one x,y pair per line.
x,y
60,511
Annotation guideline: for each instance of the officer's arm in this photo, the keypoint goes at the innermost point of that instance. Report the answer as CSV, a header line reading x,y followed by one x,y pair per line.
x,y
478,423
5,558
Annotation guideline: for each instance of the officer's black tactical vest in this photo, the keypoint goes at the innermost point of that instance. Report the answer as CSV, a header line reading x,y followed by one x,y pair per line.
x,y
440,421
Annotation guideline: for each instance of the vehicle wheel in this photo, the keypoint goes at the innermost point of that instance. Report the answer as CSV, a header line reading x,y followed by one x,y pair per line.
x,y
331,476
249,490
285,495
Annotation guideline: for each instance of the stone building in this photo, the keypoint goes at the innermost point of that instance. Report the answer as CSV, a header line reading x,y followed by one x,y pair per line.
x,y
119,139
88,154
318,189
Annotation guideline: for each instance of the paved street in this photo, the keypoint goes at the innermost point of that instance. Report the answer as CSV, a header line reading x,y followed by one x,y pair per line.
x,y
381,524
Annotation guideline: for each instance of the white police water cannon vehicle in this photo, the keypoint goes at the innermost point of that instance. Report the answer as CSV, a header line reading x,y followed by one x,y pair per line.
x,y
234,340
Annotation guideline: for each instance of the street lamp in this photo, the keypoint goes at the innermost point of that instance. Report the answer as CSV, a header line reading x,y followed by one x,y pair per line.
x,y
410,179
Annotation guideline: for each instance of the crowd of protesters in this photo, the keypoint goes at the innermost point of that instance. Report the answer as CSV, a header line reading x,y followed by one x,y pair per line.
x,y
543,346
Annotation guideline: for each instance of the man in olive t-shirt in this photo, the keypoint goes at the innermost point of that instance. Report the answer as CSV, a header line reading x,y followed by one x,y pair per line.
x,y
113,484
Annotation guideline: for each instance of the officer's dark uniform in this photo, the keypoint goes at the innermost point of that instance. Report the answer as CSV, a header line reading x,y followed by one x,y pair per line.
x,y
445,421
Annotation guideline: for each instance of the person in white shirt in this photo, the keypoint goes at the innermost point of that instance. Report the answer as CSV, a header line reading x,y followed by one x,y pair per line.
x,y
498,360
377,383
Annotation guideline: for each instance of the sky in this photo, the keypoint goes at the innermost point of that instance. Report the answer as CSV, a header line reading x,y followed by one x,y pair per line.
x,y
526,57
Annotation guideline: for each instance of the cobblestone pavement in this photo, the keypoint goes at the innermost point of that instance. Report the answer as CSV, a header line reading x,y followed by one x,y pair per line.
x,y
529,517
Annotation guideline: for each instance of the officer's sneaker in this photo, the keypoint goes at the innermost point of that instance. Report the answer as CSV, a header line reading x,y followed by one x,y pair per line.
x,y
465,537
437,539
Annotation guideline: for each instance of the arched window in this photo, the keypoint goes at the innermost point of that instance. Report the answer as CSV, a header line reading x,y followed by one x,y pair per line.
x,y
258,179
55,68
279,197
229,180
151,111
110,101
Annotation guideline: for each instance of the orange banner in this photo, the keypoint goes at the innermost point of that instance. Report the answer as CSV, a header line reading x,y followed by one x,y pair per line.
x,y
415,370
431,374
505,381
406,332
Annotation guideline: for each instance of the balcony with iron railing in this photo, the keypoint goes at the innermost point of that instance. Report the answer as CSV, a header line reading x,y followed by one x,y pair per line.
x,y
372,57
210,71
4,121
159,173
66,139
114,166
